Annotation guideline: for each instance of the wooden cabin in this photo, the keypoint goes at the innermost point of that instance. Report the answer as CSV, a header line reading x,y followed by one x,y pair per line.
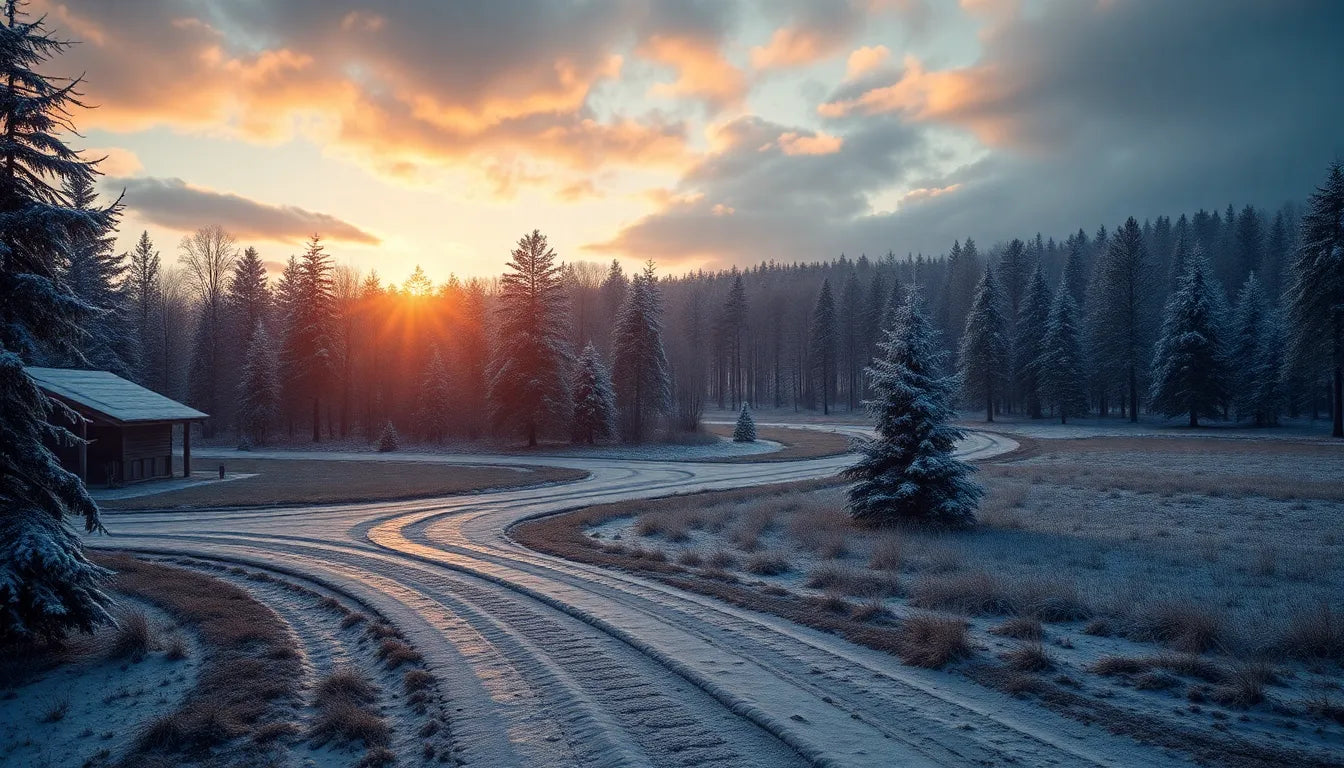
x,y
128,429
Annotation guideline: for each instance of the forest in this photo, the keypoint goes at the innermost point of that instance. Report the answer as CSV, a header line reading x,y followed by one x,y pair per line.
x,y
1219,315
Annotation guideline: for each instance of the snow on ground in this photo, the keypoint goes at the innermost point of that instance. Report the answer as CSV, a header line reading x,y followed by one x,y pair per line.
x,y
90,708
1151,426
153,487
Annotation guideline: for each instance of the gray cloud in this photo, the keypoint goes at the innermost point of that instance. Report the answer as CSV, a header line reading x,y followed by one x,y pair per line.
x,y
174,204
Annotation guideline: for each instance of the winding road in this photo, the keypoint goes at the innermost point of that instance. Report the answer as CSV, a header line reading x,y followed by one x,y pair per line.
x,y
548,662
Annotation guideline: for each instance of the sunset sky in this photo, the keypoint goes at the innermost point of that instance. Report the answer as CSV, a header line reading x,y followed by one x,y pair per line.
x,y
695,133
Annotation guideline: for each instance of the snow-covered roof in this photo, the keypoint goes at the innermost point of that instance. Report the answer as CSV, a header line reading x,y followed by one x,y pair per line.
x,y
110,395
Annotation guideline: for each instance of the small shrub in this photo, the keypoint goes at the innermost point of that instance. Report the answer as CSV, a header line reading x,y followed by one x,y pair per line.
x,y
1324,706
690,558
1156,681
1315,633
975,592
351,619
55,711
345,721
853,582
932,641
271,732
417,680
1021,628
1190,665
870,610
134,637
1111,666
388,439
721,558
1184,626
345,685
395,652
1031,657
177,649
887,554
768,564
378,757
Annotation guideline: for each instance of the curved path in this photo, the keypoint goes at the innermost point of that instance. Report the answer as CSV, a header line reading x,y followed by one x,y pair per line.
x,y
547,662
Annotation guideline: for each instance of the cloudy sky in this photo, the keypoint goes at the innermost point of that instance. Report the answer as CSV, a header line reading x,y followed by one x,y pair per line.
x,y
697,133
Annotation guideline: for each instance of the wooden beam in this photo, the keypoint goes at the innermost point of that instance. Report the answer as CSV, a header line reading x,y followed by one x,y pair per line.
x,y
186,449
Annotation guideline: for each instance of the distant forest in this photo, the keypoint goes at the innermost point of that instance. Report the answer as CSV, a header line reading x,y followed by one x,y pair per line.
x,y
1231,314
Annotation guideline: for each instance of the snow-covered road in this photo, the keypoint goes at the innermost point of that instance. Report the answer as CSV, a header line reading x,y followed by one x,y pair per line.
x,y
547,662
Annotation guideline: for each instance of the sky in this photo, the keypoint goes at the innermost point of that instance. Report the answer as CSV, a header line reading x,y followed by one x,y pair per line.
x,y
703,133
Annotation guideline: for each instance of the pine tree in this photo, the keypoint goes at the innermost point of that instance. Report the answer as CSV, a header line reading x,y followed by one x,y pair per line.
x,y
908,472
851,338
97,275
143,293
1122,315
1316,291
984,348
435,399
47,586
388,440
309,357
639,367
474,355
1063,382
208,255
249,297
258,387
732,324
823,344
1189,365
1032,323
745,429
529,373
594,399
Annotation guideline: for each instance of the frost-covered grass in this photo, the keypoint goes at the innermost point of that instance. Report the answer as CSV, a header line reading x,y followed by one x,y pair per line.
x,y
1209,572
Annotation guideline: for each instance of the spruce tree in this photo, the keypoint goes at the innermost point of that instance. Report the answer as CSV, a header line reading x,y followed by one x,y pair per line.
x,y
529,373
732,323
640,372
1121,318
1063,380
823,344
258,387
388,440
908,472
97,275
143,291
1189,365
310,344
1032,324
984,347
1316,291
745,429
435,399
47,585
594,400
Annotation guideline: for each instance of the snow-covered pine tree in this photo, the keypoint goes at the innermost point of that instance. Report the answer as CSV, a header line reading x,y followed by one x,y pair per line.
x,y
1032,322
435,399
97,275
1248,334
908,472
984,347
1190,364
732,324
1063,378
745,429
388,439
1316,291
822,345
47,586
1122,317
249,297
258,387
310,342
612,294
594,400
640,373
529,373
852,357
143,291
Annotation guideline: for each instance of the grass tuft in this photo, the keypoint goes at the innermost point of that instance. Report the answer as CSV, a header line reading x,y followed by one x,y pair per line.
x,y
932,642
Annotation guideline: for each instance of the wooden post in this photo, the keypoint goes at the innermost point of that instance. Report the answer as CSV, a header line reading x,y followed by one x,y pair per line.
x,y
186,449
83,449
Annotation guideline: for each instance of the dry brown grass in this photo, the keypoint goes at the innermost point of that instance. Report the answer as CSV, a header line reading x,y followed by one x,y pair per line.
x,y
134,637
249,665
888,553
1030,657
317,481
395,652
346,713
798,444
931,641
1315,632
855,582
1021,628
1183,625
768,564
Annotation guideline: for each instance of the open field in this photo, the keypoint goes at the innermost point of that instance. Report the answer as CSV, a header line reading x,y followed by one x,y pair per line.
x,y
798,443
1119,579
306,481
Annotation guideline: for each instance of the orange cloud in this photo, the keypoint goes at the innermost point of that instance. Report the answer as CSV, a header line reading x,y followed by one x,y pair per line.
x,y
793,143
115,160
702,71
789,47
866,59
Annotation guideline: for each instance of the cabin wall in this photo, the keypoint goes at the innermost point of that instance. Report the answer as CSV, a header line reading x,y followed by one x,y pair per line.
x,y
147,452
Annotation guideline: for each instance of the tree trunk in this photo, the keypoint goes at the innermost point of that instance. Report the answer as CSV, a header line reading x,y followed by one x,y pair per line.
x,y
1337,403
1133,394
989,405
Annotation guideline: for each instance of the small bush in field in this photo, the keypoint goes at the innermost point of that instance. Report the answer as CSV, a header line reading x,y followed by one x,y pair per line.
x,y
933,641
389,440
768,564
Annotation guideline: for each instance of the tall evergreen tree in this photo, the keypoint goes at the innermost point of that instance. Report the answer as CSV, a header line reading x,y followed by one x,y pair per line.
x,y
1316,292
594,400
97,275
1254,356
908,473
208,255
258,387
1063,378
851,338
474,355
823,344
249,297
529,371
47,585
143,292
310,353
640,372
745,429
732,324
1123,312
435,399
1032,324
1189,364
984,346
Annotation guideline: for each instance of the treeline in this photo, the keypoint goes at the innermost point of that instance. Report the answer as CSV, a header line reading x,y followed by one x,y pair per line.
x,y
1217,314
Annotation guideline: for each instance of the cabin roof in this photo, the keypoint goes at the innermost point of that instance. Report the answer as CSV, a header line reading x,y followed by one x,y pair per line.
x,y
111,396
